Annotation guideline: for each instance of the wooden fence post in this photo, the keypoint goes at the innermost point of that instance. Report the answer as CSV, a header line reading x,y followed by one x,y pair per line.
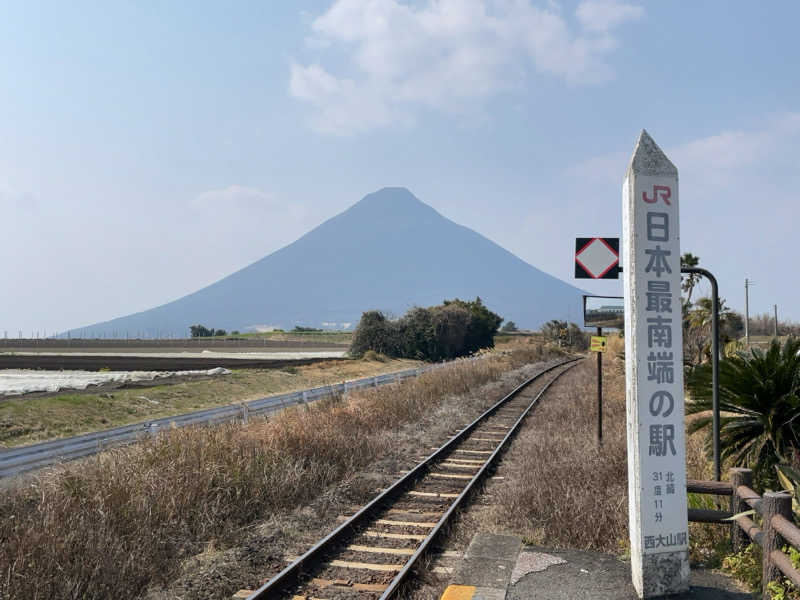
x,y
772,503
739,476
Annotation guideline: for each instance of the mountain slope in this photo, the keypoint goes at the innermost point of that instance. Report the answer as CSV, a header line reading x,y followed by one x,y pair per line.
x,y
389,251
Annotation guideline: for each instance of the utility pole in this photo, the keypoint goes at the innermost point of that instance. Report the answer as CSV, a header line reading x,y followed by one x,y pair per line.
x,y
747,284
775,306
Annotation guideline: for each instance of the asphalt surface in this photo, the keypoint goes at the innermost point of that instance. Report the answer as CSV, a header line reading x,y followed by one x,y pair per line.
x,y
597,576
500,567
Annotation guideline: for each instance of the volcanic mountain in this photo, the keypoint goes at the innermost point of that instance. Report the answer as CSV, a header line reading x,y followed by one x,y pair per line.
x,y
390,251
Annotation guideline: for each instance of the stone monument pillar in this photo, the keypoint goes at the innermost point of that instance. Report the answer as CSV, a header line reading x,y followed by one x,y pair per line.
x,y
654,375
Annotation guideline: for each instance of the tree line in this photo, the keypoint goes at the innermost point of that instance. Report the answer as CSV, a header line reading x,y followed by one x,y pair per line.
x,y
446,331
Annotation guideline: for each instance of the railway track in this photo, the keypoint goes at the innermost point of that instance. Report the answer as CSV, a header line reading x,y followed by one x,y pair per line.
x,y
373,553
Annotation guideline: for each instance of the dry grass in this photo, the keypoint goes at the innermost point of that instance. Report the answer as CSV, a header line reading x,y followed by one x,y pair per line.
x,y
561,490
112,525
26,420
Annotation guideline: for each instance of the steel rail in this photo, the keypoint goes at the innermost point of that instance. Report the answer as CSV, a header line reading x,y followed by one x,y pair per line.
x,y
275,587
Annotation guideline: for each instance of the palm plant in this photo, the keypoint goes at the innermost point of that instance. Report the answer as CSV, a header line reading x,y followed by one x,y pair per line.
x,y
697,328
759,394
690,279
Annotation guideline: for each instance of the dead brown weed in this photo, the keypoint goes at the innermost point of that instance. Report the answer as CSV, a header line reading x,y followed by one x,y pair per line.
x,y
114,524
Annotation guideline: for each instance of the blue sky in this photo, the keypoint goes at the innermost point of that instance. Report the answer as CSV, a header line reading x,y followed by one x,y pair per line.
x,y
150,149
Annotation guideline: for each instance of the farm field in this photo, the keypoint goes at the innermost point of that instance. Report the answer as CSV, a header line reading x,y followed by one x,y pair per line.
x,y
28,419
262,342
17,382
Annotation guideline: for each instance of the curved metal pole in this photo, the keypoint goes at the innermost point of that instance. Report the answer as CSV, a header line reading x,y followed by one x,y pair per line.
x,y
714,360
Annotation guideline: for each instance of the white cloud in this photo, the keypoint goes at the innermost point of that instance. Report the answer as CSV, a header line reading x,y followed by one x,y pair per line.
x,y
604,15
11,198
233,196
243,209
712,158
729,150
607,168
446,55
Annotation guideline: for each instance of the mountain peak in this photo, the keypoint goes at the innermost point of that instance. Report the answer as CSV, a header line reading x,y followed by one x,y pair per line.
x,y
391,197
389,251
390,194
395,205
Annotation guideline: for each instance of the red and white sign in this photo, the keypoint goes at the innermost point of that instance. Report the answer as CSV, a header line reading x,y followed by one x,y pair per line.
x,y
596,258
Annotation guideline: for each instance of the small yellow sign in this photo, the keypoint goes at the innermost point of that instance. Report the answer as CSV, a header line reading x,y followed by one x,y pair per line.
x,y
598,343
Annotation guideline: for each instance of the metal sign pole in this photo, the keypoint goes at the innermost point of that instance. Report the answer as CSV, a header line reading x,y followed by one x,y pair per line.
x,y
599,392
714,361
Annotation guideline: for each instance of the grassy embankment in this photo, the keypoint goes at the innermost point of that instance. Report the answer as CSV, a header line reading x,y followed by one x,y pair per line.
x,y
111,525
27,420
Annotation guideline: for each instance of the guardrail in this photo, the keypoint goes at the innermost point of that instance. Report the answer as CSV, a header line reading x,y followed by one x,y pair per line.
x,y
14,461
777,528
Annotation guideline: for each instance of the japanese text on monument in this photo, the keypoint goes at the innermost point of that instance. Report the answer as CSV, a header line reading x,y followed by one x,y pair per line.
x,y
661,384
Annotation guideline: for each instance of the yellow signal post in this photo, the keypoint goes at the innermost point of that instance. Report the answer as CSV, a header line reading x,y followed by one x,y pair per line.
x,y
598,344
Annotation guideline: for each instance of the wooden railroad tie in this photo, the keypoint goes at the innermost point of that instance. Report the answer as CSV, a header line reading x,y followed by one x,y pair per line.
x,y
406,523
398,523
346,564
394,536
415,513
362,587
381,550
432,494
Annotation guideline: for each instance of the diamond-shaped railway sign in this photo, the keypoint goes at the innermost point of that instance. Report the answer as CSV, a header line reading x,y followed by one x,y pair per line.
x,y
596,258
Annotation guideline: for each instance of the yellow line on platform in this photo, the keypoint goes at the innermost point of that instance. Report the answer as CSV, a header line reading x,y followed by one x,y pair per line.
x,y
459,592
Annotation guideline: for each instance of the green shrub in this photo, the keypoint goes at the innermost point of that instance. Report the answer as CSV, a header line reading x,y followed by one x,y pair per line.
x,y
565,334
201,331
785,589
452,329
745,566
759,396
509,327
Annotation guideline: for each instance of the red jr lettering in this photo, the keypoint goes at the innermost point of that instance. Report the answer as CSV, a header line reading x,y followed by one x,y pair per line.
x,y
659,192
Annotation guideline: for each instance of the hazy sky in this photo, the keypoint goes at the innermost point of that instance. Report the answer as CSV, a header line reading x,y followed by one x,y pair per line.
x,y
149,149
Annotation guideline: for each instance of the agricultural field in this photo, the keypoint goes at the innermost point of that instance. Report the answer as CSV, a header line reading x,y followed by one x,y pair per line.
x,y
28,419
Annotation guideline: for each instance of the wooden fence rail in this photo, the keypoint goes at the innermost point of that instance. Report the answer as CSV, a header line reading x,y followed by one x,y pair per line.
x,y
776,529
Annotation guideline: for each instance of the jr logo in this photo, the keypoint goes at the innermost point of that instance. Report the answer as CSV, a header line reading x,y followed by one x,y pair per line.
x,y
661,192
